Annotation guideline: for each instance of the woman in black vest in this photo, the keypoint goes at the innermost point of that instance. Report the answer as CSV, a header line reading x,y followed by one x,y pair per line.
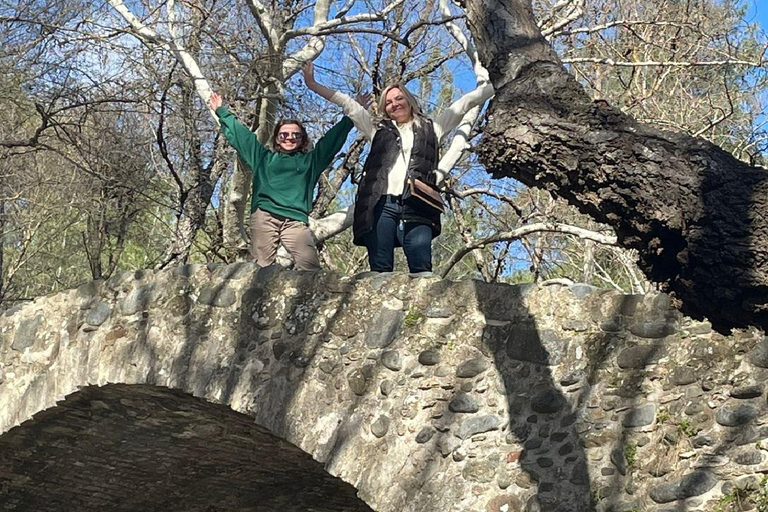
x,y
404,144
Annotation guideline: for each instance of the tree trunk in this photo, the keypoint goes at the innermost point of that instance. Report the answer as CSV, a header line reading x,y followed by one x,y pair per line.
x,y
696,215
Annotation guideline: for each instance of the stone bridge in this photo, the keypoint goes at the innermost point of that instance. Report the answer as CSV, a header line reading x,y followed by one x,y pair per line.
x,y
234,388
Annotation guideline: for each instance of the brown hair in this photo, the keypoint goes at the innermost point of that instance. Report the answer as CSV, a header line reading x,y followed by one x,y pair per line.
x,y
409,98
305,144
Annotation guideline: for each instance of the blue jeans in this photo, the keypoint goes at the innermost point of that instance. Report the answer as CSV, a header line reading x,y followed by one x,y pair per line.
x,y
389,231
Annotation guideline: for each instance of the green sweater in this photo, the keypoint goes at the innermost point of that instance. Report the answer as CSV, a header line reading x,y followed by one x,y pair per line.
x,y
283,183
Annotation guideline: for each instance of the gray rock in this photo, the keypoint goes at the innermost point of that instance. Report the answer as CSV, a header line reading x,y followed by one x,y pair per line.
x,y
653,330
380,426
731,415
618,460
357,382
692,484
429,357
479,470
702,441
758,356
463,403
391,359
478,425
745,392
386,387
541,347
545,462
533,444
548,401
641,416
581,290
683,375
138,300
217,296
613,325
278,349
98,314
699,328
750,458
572,378
711,460
330,363
385,327
436,311
472,368
86,294
425,434
25,334
447,444
751,434
638,356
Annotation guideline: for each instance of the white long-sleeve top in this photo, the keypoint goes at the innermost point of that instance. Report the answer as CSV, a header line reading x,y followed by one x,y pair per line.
x,y
443,123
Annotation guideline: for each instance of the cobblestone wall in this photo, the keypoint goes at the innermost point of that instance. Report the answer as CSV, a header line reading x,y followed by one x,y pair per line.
x,y
425,395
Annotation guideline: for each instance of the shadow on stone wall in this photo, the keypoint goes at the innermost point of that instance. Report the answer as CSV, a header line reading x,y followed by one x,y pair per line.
x,y
542,421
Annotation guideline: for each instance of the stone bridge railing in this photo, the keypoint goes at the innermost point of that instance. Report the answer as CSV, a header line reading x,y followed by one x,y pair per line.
x,y
422,394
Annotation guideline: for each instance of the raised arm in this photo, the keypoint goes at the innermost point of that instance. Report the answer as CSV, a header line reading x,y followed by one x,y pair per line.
x,y
355,110
240,137
450,118
308,70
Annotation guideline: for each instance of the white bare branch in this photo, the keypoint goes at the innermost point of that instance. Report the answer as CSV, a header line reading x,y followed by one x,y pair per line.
x,y
266,23
149,36
515,234
575,11
662,63
332,225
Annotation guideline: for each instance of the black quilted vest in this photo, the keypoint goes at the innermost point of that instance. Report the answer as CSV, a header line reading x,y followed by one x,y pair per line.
x,y
385,148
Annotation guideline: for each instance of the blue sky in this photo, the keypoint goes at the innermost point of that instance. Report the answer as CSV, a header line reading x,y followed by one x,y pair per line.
x,y
759,10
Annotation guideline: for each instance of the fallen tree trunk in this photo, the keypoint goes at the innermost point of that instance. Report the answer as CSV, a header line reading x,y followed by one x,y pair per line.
x,y
697,216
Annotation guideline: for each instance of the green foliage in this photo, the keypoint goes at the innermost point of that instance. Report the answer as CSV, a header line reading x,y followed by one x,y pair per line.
x,y
412,318
630,454
685,427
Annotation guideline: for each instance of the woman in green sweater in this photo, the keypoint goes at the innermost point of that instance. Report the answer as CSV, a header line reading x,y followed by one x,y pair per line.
x,y
284,180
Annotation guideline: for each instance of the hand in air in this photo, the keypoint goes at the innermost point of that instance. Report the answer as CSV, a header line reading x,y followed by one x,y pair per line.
x,y
364,99
308,70
214,102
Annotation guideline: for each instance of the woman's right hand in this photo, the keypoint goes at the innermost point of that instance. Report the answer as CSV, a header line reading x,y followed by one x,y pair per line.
x,y
364,99
214,101
308,70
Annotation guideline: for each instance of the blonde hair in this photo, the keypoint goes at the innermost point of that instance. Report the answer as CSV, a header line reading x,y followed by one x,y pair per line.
x,y
410,99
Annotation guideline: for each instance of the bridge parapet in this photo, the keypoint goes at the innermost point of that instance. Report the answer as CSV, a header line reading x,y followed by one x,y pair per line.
x,y
421,393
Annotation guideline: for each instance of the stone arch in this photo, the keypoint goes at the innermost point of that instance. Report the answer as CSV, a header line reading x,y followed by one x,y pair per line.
x,y
139,447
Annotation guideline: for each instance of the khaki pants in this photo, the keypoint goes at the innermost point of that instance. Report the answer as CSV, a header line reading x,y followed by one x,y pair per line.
x,y
269,230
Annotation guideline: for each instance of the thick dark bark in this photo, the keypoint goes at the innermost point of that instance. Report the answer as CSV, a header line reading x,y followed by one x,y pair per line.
x,y
697,215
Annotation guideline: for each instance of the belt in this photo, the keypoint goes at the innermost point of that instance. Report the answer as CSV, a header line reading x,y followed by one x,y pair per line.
x,y
389,198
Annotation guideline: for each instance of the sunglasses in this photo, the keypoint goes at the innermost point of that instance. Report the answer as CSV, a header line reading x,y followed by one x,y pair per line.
x,y
294,136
